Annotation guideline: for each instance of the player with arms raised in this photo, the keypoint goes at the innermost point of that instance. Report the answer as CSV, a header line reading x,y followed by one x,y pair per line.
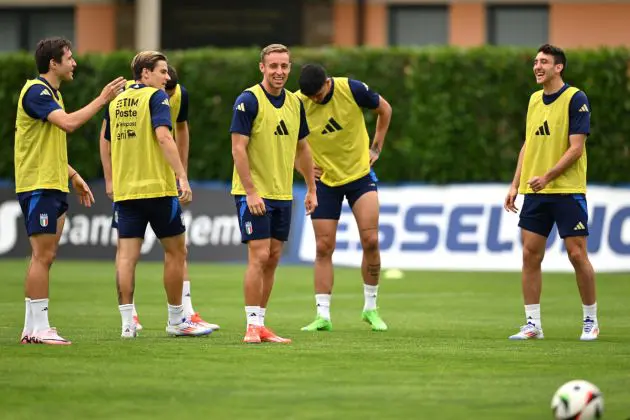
x,y
42,172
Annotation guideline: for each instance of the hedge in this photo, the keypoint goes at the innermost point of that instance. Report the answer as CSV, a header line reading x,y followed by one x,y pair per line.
x,y
459,114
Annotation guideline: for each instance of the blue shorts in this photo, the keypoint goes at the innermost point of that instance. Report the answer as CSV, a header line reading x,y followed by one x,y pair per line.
x,y
163,213
41,209
568,211
330,199
276,223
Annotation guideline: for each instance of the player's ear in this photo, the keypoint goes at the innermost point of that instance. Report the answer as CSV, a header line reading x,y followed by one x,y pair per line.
x,y
261,66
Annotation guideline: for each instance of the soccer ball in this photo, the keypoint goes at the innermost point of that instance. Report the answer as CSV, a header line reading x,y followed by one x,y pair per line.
x,y
578,400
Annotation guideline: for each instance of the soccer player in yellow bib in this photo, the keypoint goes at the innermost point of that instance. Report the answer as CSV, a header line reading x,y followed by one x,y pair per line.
x,y
551,173
178,99
42,173
268,139
343,157
145,162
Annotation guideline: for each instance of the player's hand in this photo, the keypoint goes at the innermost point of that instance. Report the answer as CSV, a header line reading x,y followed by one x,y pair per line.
x,y
374,155
538,183
112,89
256,205
310,201
185,193
109,188
509,205
86,198
317,172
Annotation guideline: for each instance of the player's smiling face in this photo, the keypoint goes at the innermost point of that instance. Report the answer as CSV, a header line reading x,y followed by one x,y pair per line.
x,y
158,77
65,69
545,68
276,67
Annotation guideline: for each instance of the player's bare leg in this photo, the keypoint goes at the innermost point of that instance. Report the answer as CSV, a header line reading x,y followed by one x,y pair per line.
x,y
531,283
325,240
268,278
127,256
258,251
366,213
174,260
44,250
585,276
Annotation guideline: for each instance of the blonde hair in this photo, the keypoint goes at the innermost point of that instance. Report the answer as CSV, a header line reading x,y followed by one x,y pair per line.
x,y
273,48
145,60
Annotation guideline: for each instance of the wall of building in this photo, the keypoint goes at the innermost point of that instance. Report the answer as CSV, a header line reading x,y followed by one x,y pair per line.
x,y
570,23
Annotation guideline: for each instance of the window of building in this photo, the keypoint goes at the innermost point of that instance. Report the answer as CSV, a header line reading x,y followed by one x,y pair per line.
x,y
21,28
418,25
518,25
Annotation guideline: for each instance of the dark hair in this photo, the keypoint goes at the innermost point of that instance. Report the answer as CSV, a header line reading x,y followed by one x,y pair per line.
x,y
312,78
145,60
174,79
50,49
557,53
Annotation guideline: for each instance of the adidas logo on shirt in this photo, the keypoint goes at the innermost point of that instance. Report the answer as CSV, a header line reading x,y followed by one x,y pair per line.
x,y
579,226
45,93
241,107
165,102
332,126
584,108
543,130
281,129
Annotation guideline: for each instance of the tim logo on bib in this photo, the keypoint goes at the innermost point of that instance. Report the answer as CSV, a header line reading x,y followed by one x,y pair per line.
x,y
43,219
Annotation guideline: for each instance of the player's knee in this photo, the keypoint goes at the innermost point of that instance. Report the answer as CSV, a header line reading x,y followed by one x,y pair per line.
x,y
259,256
532,256
369,241
577,254
45,256
325,247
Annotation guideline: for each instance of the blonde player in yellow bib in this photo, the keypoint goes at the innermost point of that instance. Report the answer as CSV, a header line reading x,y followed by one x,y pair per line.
x,y
145,164
42,173
268,138
551,173
178,99
343,167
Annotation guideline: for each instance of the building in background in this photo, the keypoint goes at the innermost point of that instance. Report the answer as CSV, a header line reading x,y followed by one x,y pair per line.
x,y
107,25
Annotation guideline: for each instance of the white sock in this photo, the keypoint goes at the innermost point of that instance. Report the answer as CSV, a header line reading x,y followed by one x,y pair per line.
x,y
590,311
175,314
261,317
28,316
323,305
186,299
253,315
39,311
133,308
126,314
370,293
532,315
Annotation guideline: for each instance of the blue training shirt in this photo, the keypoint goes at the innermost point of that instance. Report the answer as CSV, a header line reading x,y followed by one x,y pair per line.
x,y
363,95
243,121
183,110
160,113
39,105
579,111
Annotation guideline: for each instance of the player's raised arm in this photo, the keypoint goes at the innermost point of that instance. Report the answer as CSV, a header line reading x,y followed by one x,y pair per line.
x,y
70,122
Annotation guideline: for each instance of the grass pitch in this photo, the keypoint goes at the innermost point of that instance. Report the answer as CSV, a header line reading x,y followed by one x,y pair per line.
x,y
446,355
